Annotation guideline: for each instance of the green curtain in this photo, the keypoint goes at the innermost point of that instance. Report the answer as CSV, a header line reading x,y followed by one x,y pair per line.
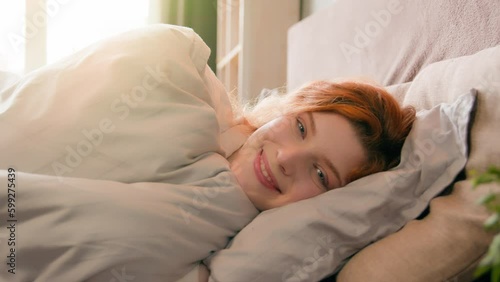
x,y
200,15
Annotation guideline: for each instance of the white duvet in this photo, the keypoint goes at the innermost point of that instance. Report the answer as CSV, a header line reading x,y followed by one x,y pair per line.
x,y
118,157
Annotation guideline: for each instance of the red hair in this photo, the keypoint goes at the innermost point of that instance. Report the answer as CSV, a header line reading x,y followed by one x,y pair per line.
x,y
381,124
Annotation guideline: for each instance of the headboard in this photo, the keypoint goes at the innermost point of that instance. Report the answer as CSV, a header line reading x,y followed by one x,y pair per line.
x,y
388,41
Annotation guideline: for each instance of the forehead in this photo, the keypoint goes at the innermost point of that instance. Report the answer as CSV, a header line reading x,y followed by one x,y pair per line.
x,y
332,124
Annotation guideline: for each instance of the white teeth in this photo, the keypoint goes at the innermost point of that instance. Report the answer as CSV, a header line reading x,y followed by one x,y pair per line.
x,y
264,171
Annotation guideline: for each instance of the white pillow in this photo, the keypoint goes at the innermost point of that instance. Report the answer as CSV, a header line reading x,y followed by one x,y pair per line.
x,y
309,240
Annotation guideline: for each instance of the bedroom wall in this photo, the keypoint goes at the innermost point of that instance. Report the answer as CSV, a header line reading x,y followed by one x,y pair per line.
x,y
309,7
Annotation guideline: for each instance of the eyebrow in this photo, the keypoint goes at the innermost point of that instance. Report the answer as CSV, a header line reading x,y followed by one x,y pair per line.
x,y
329,164
312,124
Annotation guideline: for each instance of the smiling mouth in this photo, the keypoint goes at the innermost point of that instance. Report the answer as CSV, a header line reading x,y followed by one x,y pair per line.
x,y
263,172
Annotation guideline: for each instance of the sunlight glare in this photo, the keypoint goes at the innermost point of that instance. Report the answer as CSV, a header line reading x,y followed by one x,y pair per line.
x,y
80,23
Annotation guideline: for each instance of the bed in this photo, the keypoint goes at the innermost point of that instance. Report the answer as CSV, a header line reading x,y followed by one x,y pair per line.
x,y
92,196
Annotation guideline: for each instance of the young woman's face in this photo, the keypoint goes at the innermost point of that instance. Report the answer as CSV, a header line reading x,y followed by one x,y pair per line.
x,y
297,157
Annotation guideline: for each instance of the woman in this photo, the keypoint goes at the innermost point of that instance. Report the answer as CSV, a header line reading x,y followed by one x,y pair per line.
x,y
319,138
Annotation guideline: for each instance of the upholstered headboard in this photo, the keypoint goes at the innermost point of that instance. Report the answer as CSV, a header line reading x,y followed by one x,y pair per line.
x,y
388,41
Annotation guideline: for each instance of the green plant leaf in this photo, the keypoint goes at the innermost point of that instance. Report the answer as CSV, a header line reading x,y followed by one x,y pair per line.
x,y
492,222
494,170
485,178
492,174
486,199
495,273
491,262
481,270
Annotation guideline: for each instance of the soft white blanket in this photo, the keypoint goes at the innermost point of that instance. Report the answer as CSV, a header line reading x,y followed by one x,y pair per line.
x,y
117,159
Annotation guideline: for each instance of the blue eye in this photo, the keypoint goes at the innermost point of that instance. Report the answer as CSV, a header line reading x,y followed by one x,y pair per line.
x,y
301,128
322,177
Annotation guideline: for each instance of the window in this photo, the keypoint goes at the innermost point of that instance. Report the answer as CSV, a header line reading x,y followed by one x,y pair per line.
x,y
36,32
11,27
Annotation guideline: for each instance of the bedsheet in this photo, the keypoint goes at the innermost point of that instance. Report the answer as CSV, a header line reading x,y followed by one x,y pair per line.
x,y
116,158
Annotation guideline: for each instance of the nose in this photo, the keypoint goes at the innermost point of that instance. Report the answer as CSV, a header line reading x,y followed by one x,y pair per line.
x,y
291,158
